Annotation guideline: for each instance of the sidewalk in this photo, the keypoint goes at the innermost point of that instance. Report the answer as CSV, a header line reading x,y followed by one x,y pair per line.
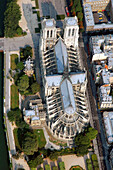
x,y
21,163
49,145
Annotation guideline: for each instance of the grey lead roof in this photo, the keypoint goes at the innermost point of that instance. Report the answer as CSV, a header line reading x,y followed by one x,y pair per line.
x,y
61,56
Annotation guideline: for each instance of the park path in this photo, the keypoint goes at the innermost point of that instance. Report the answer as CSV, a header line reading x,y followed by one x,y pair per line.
x,y
12,45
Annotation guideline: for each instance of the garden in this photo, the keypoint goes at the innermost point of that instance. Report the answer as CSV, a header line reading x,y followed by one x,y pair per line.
x,y
92,164
41,138
76,167
95,162
76,10
12,15
14,97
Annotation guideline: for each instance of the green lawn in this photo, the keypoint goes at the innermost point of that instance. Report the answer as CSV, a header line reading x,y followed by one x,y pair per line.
x,y
95,162
60,17
14,97
14,61
16,137
55,168
41,138
47,167
61,166
89,164
76,167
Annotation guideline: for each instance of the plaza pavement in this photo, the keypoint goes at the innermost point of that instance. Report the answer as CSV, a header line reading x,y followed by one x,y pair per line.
x,y
71,160
52,8
28,20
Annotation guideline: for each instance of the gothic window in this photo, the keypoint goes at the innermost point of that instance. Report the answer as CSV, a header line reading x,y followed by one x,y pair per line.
x,y
69,32
73,31
48,34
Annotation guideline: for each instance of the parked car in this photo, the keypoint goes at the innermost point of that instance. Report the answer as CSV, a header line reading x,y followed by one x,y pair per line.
x,y
67,11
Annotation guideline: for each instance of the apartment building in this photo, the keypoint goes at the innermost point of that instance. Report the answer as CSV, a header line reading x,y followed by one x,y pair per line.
x,y
98,14
102,57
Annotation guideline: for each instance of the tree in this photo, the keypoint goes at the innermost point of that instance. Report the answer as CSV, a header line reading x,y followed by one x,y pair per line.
x,y
13,115
23,83
40,168
20,123
19,31
28,51
71,3
61,165
25,52
91,133
44,152
11,20
81,150
54,156
35,87
20,66
83,141
80,16
35,162
30,143
55,168
86,137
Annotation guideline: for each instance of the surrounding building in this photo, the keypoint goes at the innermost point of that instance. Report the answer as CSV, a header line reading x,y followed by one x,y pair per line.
x,y
108,122
102,57
35,115
98,14
64,79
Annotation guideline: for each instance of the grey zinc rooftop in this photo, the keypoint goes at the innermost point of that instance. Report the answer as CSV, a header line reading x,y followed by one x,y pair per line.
x,y
68,97
54,80
108,120
88,15
61,55
78,78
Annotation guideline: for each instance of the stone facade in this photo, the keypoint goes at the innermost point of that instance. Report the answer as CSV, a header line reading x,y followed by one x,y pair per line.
x,y
64,79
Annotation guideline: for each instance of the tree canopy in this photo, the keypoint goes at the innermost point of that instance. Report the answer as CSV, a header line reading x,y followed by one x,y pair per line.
x,y
35,87
54,156
13,115
16,116
83,140
20,65
11,20
30,143
23,83
25,52
35,162
91,133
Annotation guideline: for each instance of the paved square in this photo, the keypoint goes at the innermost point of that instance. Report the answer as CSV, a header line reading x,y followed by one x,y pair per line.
x,y
28,20
51,8
71,160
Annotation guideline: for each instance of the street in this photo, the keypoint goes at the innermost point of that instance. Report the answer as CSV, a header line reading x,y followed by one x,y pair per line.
x,y
96,118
